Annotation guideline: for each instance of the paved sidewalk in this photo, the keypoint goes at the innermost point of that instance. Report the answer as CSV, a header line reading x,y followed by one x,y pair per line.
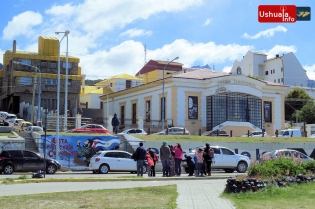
x,y
193,194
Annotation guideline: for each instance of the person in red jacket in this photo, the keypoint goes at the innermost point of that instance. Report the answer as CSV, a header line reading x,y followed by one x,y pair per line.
x,y
178,158
150,162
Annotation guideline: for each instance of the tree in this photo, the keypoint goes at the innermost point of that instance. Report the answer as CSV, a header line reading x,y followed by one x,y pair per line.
x,y
306,113
295,100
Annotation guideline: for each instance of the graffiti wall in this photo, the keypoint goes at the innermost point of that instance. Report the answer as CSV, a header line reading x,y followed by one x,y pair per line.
x,y
76,151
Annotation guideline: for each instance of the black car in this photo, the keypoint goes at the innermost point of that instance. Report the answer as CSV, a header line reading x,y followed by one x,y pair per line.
x,y
215,133
23,160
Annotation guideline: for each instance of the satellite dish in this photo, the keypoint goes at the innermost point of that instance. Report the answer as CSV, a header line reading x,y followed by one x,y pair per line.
x,y
1,66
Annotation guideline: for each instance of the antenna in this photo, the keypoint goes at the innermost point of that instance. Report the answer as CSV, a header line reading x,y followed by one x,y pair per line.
x,y
145,54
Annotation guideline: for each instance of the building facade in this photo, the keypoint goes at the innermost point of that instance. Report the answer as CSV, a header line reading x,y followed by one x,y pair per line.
x,y
285,69
19,80
203,99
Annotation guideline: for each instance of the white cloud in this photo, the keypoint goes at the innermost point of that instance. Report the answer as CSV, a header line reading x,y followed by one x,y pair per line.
x,y
207,22
22,25
227,69
280,49
310,71
266,33
1,57
136,32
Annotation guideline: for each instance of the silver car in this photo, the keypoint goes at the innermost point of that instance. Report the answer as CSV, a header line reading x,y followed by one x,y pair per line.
x,y
174,131
225,159
289,153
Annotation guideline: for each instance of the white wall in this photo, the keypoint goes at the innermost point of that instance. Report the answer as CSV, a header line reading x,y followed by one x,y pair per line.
x,y
294,74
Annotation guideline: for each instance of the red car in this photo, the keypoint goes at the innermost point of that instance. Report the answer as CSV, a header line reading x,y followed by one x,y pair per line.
x,y
90,128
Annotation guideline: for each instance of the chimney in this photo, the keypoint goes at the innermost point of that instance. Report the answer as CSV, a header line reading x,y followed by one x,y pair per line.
x,y
14,46
277,55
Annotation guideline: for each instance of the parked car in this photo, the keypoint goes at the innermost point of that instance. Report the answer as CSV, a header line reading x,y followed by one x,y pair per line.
x,y
289,133
215,133
113,160
134,131
90,128
174,131
312,136
287,153
24,160
225,159
32,129
9,119
3,116
255,134
20,126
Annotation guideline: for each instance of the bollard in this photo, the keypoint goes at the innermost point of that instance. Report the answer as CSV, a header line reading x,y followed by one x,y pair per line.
x,y
276,133
231,133
247,133
217,132
166,132
149,131
199,132
292,134
305,133
263,132
184,131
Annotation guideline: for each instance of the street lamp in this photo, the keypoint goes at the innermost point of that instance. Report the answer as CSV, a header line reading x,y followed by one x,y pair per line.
x,y
39,88
58,90
163,93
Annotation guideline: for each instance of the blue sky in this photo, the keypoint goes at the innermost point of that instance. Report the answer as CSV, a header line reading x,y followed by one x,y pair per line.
x,y
109,35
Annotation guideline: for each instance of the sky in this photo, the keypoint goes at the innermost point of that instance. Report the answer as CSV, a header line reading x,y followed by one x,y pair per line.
x,y
110,36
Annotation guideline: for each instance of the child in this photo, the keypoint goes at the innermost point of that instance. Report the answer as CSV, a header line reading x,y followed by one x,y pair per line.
x,y
199,154
172,164
150,163
191,165
196,166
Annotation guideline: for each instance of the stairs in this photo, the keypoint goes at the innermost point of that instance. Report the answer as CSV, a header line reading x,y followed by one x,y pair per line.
x,y
30,143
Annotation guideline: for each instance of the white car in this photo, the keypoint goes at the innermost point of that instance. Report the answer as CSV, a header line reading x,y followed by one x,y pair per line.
x,y
225,159
256,134
113,160
286,153
32,129
174,131
9,119
134,131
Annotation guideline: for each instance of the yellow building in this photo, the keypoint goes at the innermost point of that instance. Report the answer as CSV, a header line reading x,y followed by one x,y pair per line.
x,y
18,79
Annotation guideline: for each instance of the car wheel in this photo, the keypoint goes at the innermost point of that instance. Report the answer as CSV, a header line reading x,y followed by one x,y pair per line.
x,y
8,169
51,169
241,167
229,170
104,169
96,171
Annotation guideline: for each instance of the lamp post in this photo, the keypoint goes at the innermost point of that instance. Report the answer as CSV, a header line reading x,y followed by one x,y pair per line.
x,y
58,90
163,93
39,88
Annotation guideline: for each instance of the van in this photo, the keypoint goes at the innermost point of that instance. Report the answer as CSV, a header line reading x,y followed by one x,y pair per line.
x,y
290,132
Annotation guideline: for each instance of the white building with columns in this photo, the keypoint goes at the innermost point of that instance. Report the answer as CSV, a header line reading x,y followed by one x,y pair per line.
x,y
204,99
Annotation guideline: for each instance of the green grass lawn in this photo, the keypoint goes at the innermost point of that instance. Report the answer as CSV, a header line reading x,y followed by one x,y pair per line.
x,y
139,197
7,134
271,197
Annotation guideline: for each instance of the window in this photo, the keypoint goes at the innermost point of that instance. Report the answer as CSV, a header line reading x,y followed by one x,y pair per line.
x,y
138,131
132,131
122,114
266,73
64,65
52,65
51,81
282,80
128,84
101,105
273,70
192,107
270,71
147,111
111,154
216,150
16,153
275,81
123,155
43,64
267,112
278,80
227,152
69,82
24,80
30,154
26,61
134,113
281,69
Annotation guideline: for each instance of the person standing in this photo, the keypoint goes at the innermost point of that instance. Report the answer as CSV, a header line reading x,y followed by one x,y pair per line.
x,y
115,123
155,160
140,153
150,162
178,158
199,155
165,155
208,159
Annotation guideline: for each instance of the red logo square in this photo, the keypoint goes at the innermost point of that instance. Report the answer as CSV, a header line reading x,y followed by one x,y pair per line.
x,y
277,13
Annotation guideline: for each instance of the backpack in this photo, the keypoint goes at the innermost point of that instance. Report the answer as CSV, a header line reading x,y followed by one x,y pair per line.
x,y
115,121
211,153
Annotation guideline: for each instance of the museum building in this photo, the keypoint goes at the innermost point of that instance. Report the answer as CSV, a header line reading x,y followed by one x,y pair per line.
x,y
202,99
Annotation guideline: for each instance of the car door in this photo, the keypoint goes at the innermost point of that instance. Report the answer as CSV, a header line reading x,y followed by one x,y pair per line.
x,y
111,158
125,163
228,158
218,157
16,157
32,162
